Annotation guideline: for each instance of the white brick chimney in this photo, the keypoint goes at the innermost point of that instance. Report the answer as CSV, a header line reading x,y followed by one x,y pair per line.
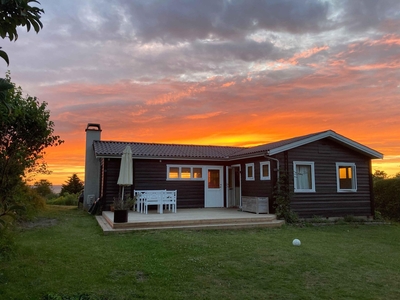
x,y
92,166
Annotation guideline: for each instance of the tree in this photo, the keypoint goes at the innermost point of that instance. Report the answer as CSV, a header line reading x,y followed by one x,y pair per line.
x,y
379,175
72,186
25,132
43,187
14,13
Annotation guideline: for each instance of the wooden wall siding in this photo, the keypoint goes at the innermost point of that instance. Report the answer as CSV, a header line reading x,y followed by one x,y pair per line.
x,y
257,187
326,201
110,187
151,174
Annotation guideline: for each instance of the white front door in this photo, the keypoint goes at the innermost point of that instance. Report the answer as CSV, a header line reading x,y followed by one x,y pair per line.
x,y
214,192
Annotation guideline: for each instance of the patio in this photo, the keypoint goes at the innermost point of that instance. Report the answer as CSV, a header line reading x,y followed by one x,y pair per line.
x,y
199,218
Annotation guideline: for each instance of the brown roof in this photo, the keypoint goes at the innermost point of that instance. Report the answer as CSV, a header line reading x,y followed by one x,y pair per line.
x,y
153,150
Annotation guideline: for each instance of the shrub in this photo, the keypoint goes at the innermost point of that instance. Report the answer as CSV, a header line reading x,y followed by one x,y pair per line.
x,y
282,196
66,199
387,198
7,244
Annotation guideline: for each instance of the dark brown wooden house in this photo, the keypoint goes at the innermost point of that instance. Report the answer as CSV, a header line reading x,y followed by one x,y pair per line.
x,y
329,174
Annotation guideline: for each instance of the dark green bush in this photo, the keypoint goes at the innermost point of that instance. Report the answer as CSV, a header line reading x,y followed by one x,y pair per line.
x,y
387,198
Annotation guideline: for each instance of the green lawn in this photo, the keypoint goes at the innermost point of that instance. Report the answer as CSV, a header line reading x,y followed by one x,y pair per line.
x,y
73,258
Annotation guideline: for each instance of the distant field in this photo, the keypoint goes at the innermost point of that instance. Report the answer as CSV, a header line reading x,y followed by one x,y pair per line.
x,y
65,255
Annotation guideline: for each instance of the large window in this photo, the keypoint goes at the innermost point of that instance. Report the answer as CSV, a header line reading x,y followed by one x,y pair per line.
x,y
304,178
250,171
346,177
175,172
265,172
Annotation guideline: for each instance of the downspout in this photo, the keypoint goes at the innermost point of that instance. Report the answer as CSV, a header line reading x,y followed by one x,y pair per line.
x,y
266,155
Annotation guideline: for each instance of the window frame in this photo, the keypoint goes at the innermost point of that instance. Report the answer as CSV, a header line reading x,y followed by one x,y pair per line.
x,y
265,163
180,167
252,177
353,179
312,169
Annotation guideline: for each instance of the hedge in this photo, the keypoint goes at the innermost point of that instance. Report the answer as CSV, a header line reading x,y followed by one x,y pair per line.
x,y
387,198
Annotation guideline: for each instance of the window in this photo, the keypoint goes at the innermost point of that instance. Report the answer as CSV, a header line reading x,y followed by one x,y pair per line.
x,y
176,172
173,172
304,178
186,173
346,177
265,170
213,179
197,173
250,171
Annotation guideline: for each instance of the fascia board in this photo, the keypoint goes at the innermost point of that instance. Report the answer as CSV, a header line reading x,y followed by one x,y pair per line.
x,y
361,148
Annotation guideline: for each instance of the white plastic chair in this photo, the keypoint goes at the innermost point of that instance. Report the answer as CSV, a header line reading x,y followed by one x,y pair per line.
x,y
169,199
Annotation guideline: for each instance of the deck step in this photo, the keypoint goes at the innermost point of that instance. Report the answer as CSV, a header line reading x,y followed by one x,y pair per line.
x,y
109,227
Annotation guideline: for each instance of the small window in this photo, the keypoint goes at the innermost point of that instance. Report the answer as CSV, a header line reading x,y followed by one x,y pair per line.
x,y
186,173
265,170
304,178
250,171
346,177
173,172
197,173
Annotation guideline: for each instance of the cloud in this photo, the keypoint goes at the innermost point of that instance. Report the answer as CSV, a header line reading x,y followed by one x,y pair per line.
x,y
223,71
176,21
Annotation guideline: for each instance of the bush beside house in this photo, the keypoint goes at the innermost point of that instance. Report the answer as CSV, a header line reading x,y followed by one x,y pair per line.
x,y
387,198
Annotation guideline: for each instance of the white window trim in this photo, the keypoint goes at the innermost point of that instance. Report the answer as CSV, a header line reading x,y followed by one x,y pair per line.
x,y
252,177
304,163
354,174
180,172
264,163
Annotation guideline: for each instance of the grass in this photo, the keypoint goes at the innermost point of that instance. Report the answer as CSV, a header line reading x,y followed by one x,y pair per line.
x,y
74,260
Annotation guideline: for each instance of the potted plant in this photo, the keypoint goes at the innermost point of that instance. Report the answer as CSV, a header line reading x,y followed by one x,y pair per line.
x,y
121,207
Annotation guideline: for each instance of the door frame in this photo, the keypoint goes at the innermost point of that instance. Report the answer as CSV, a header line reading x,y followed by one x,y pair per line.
x,y
230,169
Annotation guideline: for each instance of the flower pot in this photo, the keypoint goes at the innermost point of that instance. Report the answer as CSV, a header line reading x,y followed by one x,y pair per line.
x,y
121,216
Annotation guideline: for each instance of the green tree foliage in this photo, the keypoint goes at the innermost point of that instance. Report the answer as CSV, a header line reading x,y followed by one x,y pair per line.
x,y
43,188
72,186
387,198
14,13
25,132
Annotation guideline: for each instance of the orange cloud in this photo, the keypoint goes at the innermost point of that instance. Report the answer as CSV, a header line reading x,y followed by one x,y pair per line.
x,y
175,96
305,54
228,84
204,116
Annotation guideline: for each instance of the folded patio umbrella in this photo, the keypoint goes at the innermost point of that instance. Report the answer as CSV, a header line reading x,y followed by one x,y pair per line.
x,y
125,172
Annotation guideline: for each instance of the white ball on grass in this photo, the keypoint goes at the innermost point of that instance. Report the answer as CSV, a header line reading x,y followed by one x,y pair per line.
x,y
296,242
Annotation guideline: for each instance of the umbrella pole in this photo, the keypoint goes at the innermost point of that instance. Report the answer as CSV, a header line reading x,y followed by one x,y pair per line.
x,y
123,187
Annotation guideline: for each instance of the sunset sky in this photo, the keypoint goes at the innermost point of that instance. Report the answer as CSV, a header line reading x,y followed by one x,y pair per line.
x,y
213,72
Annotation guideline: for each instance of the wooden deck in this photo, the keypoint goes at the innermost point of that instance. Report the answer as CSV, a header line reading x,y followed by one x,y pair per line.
x,y
200,218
